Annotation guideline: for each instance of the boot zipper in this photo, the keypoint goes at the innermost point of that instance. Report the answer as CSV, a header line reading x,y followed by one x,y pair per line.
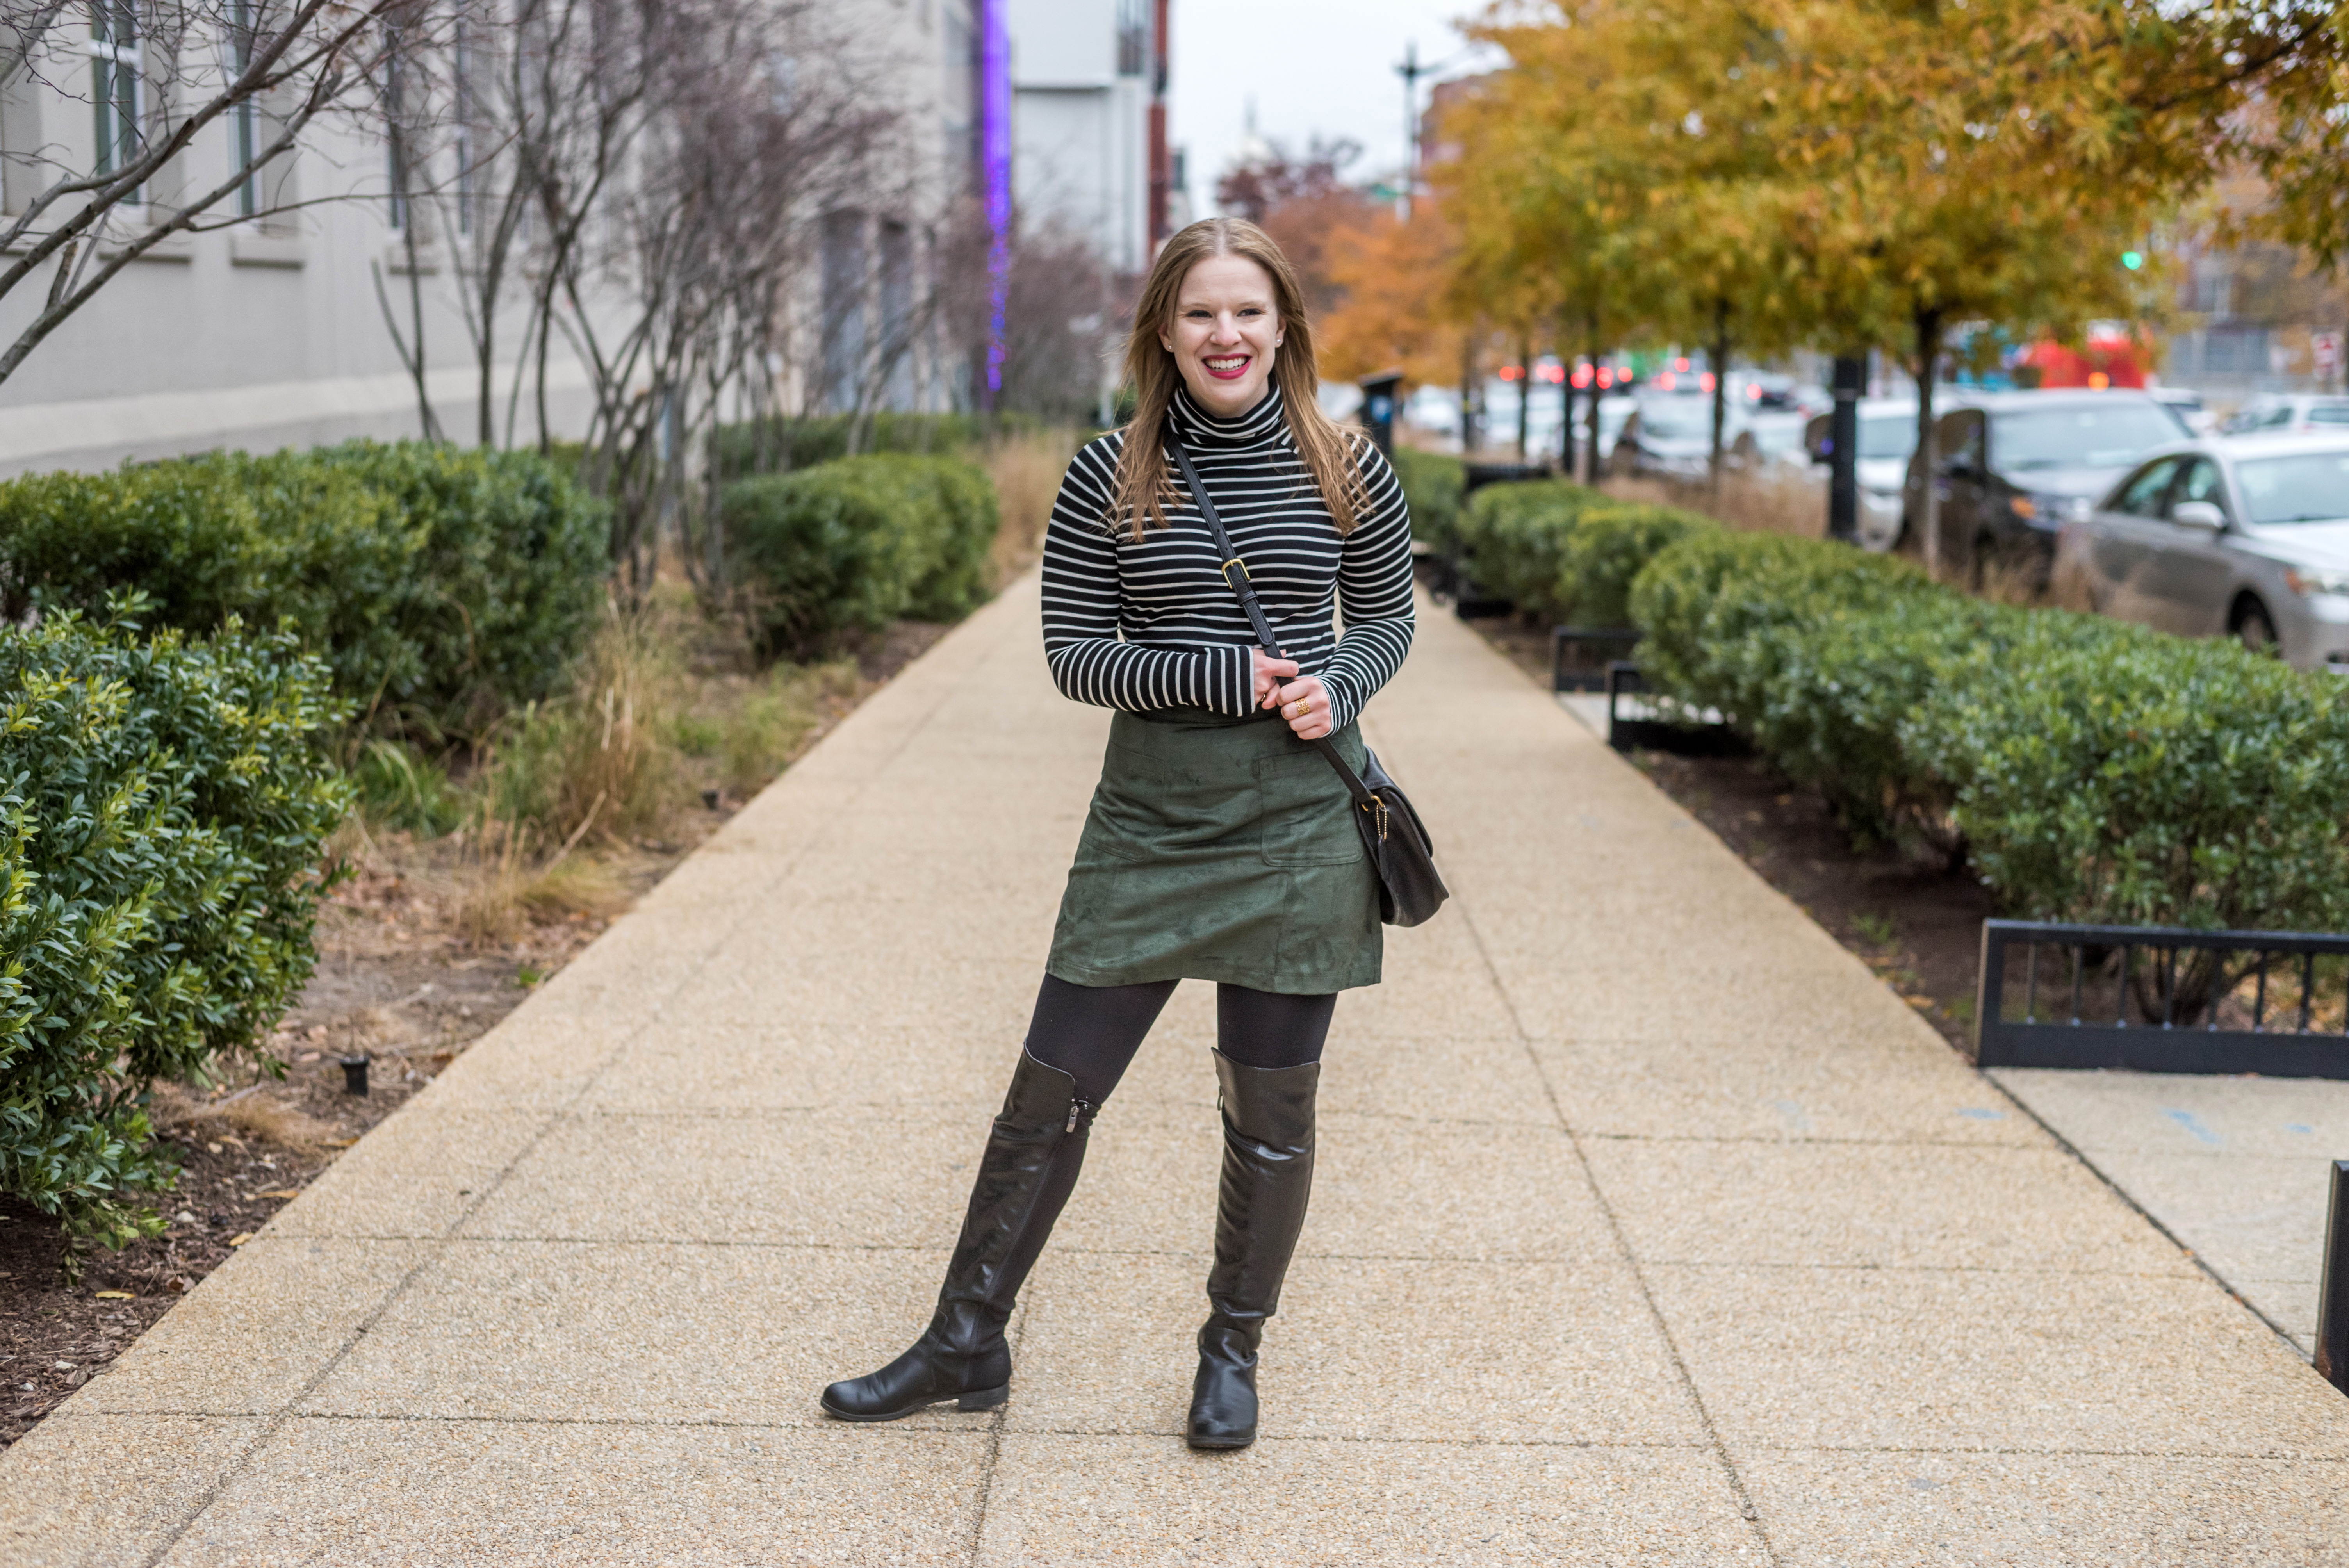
x,y
1076,1108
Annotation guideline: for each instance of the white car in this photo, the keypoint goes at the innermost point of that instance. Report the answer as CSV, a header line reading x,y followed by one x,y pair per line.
x,y
1888,435
2279,412
2242,536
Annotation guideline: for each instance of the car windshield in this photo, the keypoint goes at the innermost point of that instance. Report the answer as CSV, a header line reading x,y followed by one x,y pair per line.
x,y
2080,435
1887,436
1667,423
2313,487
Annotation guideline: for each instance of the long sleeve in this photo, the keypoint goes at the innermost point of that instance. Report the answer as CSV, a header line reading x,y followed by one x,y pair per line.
x,y
1374,591
1081,600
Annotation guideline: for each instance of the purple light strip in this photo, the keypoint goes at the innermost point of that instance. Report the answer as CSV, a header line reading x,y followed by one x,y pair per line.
x,y
995,171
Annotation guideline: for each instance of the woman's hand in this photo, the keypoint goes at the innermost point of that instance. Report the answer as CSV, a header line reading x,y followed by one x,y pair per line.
x,y
1269,674
1305,704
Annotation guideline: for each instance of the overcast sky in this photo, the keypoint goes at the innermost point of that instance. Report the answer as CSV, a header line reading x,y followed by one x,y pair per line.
x,y
1311,66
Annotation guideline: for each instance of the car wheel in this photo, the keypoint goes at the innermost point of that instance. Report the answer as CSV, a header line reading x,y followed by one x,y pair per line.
x,y
2256,629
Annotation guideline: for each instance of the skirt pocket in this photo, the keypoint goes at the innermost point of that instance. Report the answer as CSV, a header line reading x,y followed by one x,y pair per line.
x,y
1148,809
1304,814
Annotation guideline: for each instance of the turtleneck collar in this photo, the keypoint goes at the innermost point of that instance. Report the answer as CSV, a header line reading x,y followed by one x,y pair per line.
x,y
1257,427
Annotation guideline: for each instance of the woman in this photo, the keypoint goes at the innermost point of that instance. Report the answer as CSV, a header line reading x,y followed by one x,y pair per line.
x,y
1219,846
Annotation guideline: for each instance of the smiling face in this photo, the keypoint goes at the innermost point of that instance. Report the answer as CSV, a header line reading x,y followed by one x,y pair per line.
x,y
1225,330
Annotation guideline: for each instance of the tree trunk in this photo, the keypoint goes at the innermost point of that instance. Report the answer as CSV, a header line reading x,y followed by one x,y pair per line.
x,y
1468,395
1524,396
1929,454
1720,386
1566,453
1590,476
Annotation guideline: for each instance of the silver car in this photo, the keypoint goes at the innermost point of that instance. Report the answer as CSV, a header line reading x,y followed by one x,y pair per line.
x,y
2244,536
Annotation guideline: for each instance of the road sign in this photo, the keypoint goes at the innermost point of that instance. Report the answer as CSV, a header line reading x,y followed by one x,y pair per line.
x,y
2324,348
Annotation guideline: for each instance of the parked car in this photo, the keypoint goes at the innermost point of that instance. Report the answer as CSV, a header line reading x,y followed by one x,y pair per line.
x,y
1765,435
1669,436
1888,434
2015,466
2188,405
1615,411
2244,536
2288,411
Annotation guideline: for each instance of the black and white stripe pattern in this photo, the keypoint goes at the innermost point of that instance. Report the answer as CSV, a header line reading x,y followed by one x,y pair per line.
x,y
1185,640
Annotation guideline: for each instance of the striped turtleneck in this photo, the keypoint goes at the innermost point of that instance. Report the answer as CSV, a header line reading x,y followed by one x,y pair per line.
x,y
1154,625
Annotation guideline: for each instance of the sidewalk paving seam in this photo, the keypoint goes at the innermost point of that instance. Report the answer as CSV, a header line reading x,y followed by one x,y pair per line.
x,y
2150,1218
789,863
1746,1508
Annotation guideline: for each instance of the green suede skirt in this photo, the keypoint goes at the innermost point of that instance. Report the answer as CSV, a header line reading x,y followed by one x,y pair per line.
x,y
1224,850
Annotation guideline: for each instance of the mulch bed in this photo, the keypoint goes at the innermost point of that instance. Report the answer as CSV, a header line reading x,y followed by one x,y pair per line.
x,y
396,981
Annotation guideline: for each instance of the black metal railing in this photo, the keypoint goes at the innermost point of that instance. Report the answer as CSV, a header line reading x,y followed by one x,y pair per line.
x,y
1579,656
2161,999
1661,725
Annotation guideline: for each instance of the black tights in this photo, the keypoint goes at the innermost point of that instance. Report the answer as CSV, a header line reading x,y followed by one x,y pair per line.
x,y
1090,1032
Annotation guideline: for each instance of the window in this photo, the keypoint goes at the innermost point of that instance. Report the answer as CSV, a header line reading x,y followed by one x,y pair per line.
x,y
2148,494
394,141
1886,436
114,84
2311,488
846,267
1132,37
2081,436
466,182
2329,413
2200,481
245,119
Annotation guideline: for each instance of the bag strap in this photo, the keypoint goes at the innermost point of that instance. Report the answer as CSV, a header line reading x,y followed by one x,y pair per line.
x,y
1241,586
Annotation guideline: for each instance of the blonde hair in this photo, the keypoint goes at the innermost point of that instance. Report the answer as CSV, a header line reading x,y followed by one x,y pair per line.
x,y
1145,490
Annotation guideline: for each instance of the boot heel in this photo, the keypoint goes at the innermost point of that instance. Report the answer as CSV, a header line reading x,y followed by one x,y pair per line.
x,y
983,1399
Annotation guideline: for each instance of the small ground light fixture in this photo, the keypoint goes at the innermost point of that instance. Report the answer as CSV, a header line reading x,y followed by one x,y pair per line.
x,y
354,1074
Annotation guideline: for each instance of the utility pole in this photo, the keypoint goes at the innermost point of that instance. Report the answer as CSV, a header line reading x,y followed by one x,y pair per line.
x,y
1411,70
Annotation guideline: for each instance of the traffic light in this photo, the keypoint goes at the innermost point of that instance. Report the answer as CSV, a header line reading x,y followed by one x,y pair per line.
x,y
2133,259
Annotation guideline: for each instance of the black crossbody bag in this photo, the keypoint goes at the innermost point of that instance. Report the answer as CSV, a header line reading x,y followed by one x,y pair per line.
x,y
1410,891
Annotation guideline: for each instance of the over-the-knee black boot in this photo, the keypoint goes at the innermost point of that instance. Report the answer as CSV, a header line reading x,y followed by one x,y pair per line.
x,y
1268,1177
1025,1178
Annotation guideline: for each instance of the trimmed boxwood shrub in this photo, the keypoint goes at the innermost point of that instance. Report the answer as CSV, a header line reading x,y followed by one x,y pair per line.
x,y
779,446
1610,543
1566,552
163,802
441,586
1432,485
847,547
2092,770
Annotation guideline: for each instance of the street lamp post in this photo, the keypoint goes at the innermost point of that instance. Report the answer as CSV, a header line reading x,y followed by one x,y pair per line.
x,y
1411,70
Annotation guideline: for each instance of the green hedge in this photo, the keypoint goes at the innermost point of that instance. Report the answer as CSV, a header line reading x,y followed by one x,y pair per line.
x,y
849,546
441,586
2093,770
779,446
1563,551
163,802
1432,485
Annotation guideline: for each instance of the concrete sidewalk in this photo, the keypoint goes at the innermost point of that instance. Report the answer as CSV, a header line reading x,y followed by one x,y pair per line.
x,y
1651,1229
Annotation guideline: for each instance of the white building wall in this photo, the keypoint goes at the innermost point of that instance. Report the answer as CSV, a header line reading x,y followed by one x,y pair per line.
x,y
1081,132
261,336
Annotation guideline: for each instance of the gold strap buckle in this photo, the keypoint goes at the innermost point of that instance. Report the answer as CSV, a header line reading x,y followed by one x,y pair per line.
x,y
1235,560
